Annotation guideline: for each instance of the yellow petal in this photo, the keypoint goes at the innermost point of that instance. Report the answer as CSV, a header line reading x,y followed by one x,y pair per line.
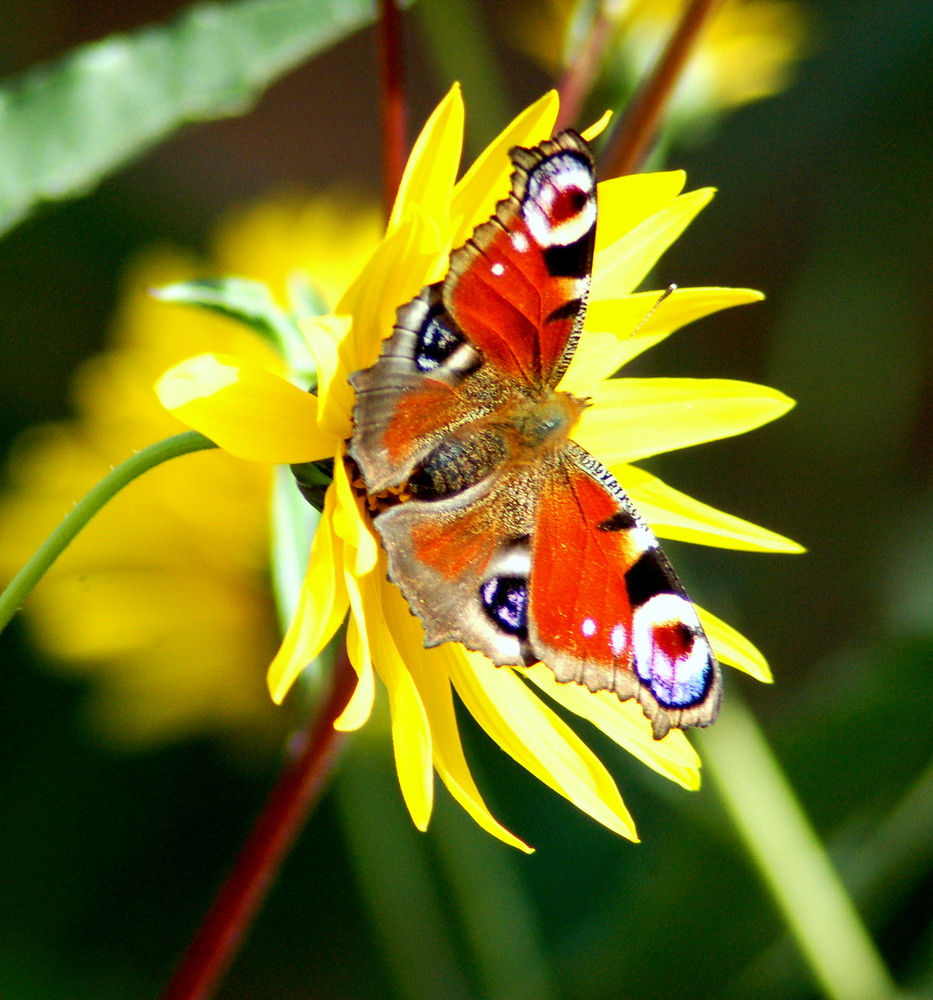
x,y
539,740
399,268
411,741
635,418
599,354
624,723
487,180
431,170
638,322
360,705
351,522
245,409
322,606
324,336
431,672
621,265
598,127
673,514
625,202
733,648
411,734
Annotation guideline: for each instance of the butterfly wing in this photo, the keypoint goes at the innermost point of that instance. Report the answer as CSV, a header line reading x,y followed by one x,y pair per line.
x,y
551,562
455,558
624,623
504,322
427,382
518,286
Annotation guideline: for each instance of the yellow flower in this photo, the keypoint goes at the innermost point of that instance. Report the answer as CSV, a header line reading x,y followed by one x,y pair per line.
x,y
159,598
256,415
746,52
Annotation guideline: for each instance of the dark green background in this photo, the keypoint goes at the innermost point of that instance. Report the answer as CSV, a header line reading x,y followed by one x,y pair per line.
x,y
107,860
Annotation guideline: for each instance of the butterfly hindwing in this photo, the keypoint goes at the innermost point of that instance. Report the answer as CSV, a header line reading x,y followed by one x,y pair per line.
x,y
454,558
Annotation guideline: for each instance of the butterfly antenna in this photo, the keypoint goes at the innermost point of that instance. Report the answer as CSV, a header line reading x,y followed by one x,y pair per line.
x,y
667,291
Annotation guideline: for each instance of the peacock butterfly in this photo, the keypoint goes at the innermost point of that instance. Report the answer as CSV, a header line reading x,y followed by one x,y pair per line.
x,y
502,533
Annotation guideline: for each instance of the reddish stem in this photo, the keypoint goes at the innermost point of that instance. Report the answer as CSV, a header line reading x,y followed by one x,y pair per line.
x,y
392,98
578,79
640,125
278,825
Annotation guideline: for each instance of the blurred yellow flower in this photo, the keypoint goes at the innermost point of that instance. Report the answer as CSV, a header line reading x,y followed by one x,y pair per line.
x,y
163,602
745,53
253,414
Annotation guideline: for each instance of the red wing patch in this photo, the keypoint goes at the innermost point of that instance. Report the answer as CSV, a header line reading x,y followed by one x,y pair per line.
x,y
518,287
605,607
585,611
419,413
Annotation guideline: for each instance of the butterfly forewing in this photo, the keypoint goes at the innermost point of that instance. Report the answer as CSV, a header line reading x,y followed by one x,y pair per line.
x,y
413,397
624,622
518,287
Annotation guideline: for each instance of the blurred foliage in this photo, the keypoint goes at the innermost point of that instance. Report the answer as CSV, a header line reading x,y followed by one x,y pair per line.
x,y
825,203
65,126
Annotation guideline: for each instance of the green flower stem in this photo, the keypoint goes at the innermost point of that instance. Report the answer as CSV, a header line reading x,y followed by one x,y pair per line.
x,y
791,860
881,866
21,585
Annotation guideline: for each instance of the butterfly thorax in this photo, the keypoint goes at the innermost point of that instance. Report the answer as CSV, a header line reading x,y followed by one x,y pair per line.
x,y
532,425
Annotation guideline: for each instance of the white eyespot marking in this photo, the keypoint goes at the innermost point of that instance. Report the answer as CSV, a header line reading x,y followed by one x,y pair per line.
x,y
514,561
520,242
498,269
644,537
618,640
672,656
462,361
560,202
588,628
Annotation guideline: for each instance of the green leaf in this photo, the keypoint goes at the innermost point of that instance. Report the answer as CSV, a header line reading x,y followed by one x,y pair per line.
x,y
314,479
66,125
250,302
